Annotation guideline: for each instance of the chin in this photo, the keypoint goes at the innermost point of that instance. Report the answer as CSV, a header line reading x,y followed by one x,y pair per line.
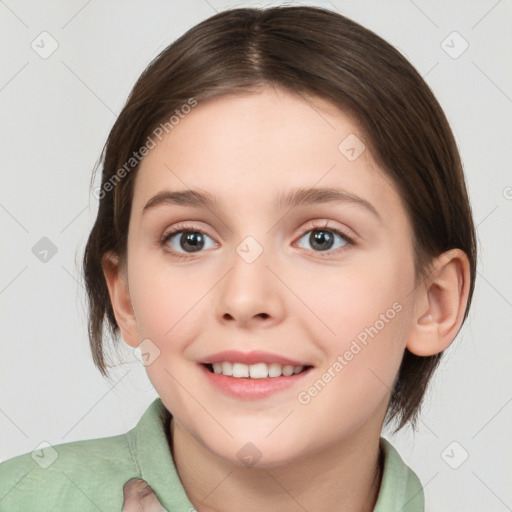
x,y
259,453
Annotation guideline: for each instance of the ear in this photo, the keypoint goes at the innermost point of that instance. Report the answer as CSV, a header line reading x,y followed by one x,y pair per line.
x,y
117,283
440,304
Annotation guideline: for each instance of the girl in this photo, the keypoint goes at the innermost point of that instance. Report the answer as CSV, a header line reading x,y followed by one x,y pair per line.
x,y
284,231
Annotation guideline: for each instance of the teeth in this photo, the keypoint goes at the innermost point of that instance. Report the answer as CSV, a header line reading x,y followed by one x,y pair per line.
x,y
255,371
297,369
240,370
258,371
274,370
287,370
227,369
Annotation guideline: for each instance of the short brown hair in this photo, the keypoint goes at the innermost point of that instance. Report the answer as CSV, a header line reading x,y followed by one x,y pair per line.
x,y
317,52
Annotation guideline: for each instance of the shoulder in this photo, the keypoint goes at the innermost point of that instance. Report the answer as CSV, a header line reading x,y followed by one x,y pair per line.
x,y
88,474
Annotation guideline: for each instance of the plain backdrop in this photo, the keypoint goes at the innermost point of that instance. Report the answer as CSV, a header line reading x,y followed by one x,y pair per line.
x,y
56,112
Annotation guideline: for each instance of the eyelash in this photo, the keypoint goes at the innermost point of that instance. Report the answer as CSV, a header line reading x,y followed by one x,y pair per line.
x,y
184,228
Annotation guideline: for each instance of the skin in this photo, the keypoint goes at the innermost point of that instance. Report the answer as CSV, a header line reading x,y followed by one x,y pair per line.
x,y
293,300
139,497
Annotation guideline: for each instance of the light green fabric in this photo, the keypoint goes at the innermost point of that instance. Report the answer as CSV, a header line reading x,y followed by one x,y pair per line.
x,y
89,475
400,489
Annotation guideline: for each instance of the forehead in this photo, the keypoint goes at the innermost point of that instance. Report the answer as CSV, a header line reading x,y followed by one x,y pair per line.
x,y
255,146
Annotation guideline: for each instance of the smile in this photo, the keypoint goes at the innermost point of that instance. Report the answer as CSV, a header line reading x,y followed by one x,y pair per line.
x,y
253,375
254,371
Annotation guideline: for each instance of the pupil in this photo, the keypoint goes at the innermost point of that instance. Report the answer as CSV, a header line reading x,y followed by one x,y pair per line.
x,y
194,239
322,239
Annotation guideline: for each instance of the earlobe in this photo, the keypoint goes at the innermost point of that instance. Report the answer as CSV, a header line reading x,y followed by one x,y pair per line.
x,y
440,304
117,283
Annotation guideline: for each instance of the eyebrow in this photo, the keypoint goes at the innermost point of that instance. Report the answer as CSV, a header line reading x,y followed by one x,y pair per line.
x,y
289,199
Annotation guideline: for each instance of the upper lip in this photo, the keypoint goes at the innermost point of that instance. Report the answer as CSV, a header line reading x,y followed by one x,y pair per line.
x,y
253,357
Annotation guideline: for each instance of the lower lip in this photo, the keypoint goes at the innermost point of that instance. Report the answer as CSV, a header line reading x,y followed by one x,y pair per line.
x,y
251,389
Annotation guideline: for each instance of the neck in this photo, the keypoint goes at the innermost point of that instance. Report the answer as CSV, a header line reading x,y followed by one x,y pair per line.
x,y
343,477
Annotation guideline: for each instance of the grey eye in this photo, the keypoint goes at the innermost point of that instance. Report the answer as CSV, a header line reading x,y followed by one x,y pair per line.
x,y
324,239
189,241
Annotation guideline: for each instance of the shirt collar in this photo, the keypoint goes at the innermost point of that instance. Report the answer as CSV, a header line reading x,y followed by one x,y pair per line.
x,y
151,451
400,488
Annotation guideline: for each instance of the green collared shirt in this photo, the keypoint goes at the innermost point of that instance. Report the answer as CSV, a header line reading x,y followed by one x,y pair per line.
x,y
90,474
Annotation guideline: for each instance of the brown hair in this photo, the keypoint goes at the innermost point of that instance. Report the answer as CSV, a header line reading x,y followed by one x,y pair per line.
x,y
316,52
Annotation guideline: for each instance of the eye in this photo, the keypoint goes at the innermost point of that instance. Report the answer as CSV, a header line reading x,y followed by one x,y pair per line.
x,y
322,239
187,240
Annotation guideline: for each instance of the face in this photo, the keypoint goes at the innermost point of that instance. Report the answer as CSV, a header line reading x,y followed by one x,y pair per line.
x,y
255,283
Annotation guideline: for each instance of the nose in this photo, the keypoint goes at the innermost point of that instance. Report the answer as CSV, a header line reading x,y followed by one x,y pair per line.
x,y
250,295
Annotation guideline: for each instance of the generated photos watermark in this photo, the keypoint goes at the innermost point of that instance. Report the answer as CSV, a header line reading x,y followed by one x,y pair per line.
x,y
357,345
151,142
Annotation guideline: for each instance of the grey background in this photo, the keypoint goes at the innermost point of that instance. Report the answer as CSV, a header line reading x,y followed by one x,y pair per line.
x,y
56,114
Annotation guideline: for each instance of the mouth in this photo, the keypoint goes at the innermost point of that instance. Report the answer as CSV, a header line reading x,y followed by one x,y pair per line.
x,y
253,375
255,371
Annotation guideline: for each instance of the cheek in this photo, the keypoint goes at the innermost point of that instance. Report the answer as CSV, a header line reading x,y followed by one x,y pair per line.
x,y
345,302
368,313
168,309
166,302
